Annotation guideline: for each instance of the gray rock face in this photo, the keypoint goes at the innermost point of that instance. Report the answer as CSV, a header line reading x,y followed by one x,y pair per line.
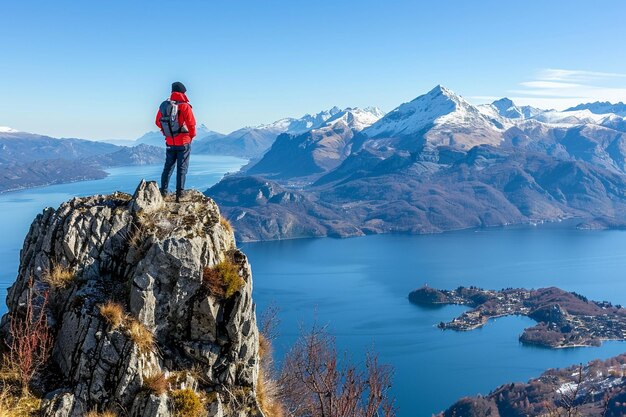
x,y
148,256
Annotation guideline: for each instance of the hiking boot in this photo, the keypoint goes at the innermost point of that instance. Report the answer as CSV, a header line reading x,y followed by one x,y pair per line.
x,y
179,194
163,192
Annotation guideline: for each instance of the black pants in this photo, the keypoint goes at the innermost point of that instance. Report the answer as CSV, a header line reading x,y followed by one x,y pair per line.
x,y
178,155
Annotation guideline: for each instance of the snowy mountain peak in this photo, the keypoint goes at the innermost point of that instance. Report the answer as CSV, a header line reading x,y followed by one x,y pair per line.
x,y
440,89
292,125
6,129
442,118
334,110
601,107
356,118
441,93
504,103
375,111
505,107
439,106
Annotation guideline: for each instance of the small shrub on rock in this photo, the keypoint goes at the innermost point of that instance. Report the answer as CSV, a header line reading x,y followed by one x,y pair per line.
x,y
31,339
223,279
186,403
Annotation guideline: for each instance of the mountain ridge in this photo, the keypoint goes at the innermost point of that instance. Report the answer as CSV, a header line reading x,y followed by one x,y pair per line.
x,y
601,107
253,142
434,164
32,160
317,150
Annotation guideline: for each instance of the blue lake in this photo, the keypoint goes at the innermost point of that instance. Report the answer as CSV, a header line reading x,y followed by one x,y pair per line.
x,y
359,288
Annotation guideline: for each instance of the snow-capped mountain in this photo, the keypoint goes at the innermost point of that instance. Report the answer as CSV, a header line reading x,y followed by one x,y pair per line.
x,y
316,150
156,138
506,108
356,118
252,142
601,107
6,129
442,118
571,118
202,130
302,124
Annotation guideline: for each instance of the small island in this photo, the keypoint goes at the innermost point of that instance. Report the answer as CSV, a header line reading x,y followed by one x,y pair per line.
x,y
565,319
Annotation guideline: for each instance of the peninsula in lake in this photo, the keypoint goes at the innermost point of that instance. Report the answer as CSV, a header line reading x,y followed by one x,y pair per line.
x,y
565,319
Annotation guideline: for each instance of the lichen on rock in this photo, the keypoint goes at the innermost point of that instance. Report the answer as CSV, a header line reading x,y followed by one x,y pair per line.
x,y
146,254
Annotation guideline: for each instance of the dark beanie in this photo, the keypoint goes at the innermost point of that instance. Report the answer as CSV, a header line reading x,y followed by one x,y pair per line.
x,y
178,87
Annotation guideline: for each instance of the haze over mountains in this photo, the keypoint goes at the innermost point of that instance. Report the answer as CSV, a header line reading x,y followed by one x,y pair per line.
x,y
247,142
31,160
435,163
432,164
156,138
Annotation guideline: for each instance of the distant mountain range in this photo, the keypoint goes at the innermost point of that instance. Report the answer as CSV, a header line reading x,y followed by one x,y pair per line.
x,y
603,107
251,142
433,164
317,150
156,138
31,160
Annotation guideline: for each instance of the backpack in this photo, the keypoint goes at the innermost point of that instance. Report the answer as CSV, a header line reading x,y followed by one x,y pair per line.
x,y
169,119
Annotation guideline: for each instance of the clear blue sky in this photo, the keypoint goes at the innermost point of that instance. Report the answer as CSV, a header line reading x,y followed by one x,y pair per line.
x,y
98,69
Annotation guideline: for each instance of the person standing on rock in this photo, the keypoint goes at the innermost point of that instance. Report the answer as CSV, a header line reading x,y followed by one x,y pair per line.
x,y
178,125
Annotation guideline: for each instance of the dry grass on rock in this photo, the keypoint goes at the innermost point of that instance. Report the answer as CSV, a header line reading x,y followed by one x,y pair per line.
x,y
116,317
58,276
113,313
223,280
140,335
156,384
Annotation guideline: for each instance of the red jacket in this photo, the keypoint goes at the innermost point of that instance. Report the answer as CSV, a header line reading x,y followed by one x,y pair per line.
x,y
185,117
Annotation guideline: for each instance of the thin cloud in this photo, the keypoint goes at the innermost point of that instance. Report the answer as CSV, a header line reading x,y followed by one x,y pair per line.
x,y
484,99
561,88
549,84
553,74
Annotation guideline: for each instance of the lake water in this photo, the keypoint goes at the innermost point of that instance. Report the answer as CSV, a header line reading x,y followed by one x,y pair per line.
x,y
359,288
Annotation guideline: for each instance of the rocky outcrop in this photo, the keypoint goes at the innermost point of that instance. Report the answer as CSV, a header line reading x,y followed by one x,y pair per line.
x,y
149,256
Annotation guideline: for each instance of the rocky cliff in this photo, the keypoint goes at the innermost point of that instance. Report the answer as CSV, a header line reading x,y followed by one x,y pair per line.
x,y
148,303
